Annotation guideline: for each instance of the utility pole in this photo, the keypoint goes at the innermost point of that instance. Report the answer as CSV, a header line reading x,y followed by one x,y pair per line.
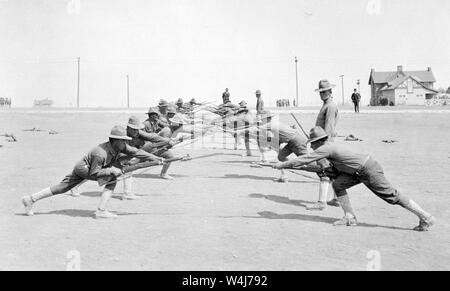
x,y
343,94
358,83
78,84
128,91
296,82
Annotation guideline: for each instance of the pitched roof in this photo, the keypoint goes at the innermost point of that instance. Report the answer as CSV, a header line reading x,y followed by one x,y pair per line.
x,y
400,80
386,77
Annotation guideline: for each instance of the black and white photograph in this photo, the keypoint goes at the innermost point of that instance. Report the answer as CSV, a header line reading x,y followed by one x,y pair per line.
x,y
232,137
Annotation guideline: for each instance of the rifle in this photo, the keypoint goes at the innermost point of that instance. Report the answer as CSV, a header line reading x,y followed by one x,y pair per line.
x,y
301,127
103,181
329,171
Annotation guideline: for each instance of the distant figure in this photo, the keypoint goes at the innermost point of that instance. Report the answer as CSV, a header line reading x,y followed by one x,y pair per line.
x,y
226,96
356,98
180,105
259,103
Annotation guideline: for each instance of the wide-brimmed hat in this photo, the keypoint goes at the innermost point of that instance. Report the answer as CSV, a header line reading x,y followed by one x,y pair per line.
x,y
243,103
324,85
119,132
152,110
258,92
193,100
163,103
317,133
135,123
179,101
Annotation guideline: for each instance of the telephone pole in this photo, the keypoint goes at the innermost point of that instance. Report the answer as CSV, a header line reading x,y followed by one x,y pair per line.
x,y
296,82
128,91
343,94
78,84
358,83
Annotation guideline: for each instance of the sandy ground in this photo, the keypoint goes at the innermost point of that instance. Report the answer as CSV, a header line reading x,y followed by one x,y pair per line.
x,y
220,214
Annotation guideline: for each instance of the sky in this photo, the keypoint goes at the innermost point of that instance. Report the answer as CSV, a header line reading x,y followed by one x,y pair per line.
x,y
197,48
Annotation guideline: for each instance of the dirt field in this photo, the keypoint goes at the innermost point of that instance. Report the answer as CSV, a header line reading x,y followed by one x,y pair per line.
x,y
220,214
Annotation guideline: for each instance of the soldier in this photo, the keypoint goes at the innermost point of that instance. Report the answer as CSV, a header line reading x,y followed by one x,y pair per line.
x,y
145,141
244,117
327,119
259,102
180,106
354,168
226,96
154,125
276,133
101,163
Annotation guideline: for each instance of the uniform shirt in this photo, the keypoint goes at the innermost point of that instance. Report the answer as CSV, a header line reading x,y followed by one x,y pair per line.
x,y
278,131
259,106
226,97
153,126
164,120
101,158
328,117
343,159
144,137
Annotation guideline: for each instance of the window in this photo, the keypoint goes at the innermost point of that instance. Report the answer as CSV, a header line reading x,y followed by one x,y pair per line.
x,y
410,86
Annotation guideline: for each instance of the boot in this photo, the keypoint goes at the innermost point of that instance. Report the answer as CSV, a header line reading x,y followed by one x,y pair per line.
x,y
283,178
349,218
104,214
28,201
426,220
323,193
333,201
127,193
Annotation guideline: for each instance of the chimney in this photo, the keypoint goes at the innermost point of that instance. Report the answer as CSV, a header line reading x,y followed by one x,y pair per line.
x,y
429,69
399,69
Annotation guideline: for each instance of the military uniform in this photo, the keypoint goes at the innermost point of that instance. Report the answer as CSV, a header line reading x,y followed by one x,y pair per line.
x,y
352,169
277,133
328,118
145,140
97,164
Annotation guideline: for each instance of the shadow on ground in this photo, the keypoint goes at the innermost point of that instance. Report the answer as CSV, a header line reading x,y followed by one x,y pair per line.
x,y
280,199
83,213
156,176
258,178
315,218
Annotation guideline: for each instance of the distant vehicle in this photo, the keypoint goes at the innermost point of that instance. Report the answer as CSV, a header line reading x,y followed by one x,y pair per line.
x,y
43,103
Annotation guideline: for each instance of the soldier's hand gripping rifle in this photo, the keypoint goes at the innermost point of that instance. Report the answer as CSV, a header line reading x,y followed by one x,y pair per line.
x,y
131,168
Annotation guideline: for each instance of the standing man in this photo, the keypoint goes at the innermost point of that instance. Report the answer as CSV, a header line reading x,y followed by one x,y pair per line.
x,y
244,117
327,120
226,96
101,163
352,169
259,103
356,98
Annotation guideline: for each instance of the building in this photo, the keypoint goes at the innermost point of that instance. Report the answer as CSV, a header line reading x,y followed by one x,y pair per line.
x,y
43,103
401,87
